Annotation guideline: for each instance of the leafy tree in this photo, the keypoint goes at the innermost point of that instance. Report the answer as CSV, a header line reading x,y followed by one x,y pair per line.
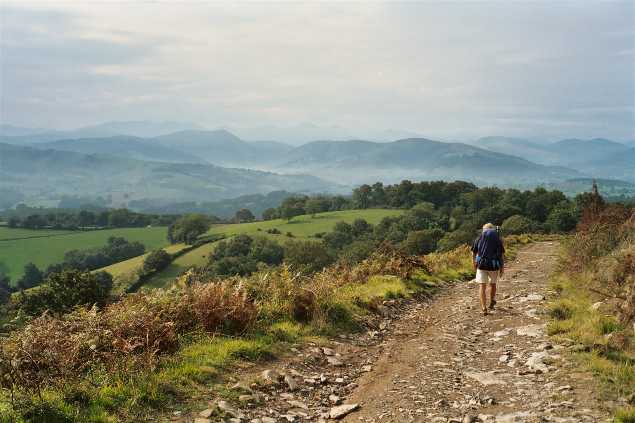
x,y
307,256
292,207
270,214
461,236
266,251
32,277
357,251
562,219
5,288
244,215
422,242
361,227
362,197
188,228
156,260
316,205
518,224
63,291
231,266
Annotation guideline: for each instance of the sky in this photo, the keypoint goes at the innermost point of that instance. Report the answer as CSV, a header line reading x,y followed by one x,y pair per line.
x,y
446,70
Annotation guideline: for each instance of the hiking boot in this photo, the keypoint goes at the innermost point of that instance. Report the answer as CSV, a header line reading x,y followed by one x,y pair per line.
x,y
485,312
492,305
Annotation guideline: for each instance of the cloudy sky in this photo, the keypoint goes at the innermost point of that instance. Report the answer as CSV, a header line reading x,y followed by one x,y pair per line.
x,y
450,70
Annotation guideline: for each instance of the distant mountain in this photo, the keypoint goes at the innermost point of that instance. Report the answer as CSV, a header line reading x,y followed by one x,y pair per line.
x,y
609,188
418,158
618,165
571,151
526,149
123,146
23,136
144,129
50,174
223,148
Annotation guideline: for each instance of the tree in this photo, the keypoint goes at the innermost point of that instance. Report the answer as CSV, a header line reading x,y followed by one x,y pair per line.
x,y
156,260
32,277
362,197
307,256
316,205
63,291
451,240
5,288
422,242
518,224
188,228
292,207
270,214
562,219
244,215
357,251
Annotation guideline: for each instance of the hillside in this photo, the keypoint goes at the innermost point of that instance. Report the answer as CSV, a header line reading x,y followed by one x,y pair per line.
x,y
223,148
123,146
52,173
416,158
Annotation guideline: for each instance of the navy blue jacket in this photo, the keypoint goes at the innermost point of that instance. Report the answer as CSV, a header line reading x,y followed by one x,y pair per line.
x,y
489,250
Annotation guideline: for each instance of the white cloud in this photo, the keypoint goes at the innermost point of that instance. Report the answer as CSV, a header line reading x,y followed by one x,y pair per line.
x,y
443,69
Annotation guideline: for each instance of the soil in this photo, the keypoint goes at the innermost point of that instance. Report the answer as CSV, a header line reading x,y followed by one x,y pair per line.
x,y
436,360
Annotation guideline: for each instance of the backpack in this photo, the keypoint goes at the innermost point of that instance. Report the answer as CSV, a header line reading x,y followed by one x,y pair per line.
x,y
489,251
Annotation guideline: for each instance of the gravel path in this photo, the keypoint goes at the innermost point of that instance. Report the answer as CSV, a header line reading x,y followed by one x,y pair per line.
x,y
435,361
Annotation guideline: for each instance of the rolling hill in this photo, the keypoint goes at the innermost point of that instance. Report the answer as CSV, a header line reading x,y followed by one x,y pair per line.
x,y
39,173
123,146
416,158
223,148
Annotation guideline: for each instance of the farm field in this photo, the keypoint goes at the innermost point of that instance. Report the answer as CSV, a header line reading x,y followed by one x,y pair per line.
x,y
17,233
196,257
124,273
306,226
301,227
14,254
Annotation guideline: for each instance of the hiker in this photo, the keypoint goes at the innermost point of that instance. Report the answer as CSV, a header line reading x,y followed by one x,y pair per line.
x,y
488,259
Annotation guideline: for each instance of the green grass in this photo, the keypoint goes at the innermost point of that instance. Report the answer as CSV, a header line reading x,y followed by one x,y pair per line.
x,y
13,233
50,250
196,257
305,226
125,272
574,318
301,227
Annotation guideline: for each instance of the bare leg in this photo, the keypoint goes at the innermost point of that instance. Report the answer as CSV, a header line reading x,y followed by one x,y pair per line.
x,y
482,288
492,292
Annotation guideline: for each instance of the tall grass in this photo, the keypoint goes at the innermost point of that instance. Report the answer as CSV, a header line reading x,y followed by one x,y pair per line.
x,y
596,303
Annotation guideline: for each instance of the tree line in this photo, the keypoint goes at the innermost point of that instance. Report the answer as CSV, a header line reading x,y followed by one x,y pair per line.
x,y
88,219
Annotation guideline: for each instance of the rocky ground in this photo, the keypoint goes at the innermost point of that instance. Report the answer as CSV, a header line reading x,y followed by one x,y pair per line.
x,y
438,361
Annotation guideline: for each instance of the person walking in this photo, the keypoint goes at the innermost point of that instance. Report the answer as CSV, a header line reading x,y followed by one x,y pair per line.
x,y
488,258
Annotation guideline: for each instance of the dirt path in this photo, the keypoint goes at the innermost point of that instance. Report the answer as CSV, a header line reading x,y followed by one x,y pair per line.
x,y
454,362
436,361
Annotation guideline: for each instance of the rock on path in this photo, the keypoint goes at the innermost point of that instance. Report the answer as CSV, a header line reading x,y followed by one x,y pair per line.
x,y
435,361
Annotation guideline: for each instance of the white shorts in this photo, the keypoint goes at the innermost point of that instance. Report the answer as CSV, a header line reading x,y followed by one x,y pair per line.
x,y
486,276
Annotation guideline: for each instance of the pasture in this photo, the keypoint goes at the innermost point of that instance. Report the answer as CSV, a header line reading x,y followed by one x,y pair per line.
x,y
302,227
43,247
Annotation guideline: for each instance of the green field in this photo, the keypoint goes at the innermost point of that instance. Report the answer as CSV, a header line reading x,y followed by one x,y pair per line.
x,y
125,272
14,233
305,226
301,227
45,251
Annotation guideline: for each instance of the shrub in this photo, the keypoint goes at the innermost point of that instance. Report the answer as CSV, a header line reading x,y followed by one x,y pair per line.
x,y
188,228
307,256
357,251
422,242
156,260
517,224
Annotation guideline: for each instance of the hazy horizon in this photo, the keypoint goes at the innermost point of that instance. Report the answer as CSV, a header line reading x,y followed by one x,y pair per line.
x,y
447,71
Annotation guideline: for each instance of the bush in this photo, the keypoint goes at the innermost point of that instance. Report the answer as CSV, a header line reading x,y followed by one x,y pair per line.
x,y
455,239
156,260
307,256
422,242
63,291
188,228
517,224
357,251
